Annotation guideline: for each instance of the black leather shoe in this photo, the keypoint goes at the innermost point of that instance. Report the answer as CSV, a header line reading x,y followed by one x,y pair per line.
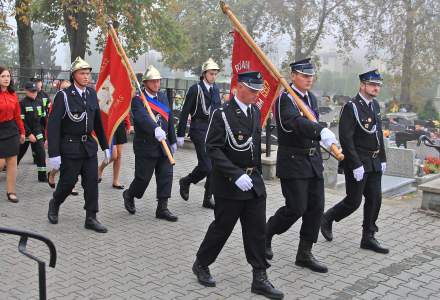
x,y
184,189
118,187
203,275
305,258
208,202
165,214
129,202
93,224
52,214
162,211
326,227
370,243
262,286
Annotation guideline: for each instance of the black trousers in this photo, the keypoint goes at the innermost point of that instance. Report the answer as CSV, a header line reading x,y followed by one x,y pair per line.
x,y
304,198
69,170
40,155
371,187
204,166
143,171
252,215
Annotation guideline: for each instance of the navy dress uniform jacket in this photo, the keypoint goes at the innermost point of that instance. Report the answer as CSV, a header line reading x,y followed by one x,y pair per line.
x,y
145,143
356,143
193,107
296,132
64,135
229,164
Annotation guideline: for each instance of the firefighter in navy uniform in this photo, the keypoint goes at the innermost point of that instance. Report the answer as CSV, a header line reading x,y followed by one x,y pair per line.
x,y
71,146
361,137
233,143
201,99
31,114
299,167
149,155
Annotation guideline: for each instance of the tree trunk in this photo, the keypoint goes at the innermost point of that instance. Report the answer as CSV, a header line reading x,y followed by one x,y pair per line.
x,y
25,40
298,28
77,32
408,54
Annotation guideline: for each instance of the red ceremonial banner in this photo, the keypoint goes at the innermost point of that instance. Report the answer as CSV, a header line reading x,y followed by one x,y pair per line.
x,y
244,59
114,89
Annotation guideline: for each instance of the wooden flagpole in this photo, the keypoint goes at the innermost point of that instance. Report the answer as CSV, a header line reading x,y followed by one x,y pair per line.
x,y
227,11
115,38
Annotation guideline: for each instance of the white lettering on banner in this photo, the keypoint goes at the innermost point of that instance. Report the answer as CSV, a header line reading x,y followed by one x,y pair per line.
x,y
242,65
259,103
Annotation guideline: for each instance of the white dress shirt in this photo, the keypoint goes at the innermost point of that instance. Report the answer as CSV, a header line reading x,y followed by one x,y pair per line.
x,y
242,106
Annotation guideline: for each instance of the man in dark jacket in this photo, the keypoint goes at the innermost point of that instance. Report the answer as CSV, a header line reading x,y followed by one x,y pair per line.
x,y
299,166
150,157
202,98
361,136
71,146
233,143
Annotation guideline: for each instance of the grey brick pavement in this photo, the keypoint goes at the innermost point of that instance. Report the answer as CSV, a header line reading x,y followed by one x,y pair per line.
x,y
144,258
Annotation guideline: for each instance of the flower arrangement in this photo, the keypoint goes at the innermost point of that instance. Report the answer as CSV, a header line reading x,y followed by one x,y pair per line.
x,y
431,165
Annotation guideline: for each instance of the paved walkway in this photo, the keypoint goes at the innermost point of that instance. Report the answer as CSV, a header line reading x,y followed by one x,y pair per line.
x,y
144,258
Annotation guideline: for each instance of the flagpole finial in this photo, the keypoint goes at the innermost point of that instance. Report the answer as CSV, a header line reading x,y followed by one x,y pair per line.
x,y
224,6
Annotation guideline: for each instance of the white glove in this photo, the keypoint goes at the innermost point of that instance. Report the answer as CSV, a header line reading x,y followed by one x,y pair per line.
x,y
159,134
173,148
244,183
328,138
359,173
54,163
180,141
384,166
107,156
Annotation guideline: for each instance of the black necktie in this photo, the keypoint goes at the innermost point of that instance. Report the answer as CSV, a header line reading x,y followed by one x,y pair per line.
x,y
306,100
210,91
249,113
370,105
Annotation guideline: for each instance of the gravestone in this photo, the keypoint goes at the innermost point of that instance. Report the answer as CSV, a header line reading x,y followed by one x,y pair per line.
x,y
431,195
400,161
330,171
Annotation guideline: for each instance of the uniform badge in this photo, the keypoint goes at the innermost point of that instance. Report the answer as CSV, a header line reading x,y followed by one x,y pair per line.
x,y
366,125
240,137
76,115
369,119
238,111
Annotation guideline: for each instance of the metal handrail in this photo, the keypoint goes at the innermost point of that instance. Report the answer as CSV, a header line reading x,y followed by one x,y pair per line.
x,y
24,235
